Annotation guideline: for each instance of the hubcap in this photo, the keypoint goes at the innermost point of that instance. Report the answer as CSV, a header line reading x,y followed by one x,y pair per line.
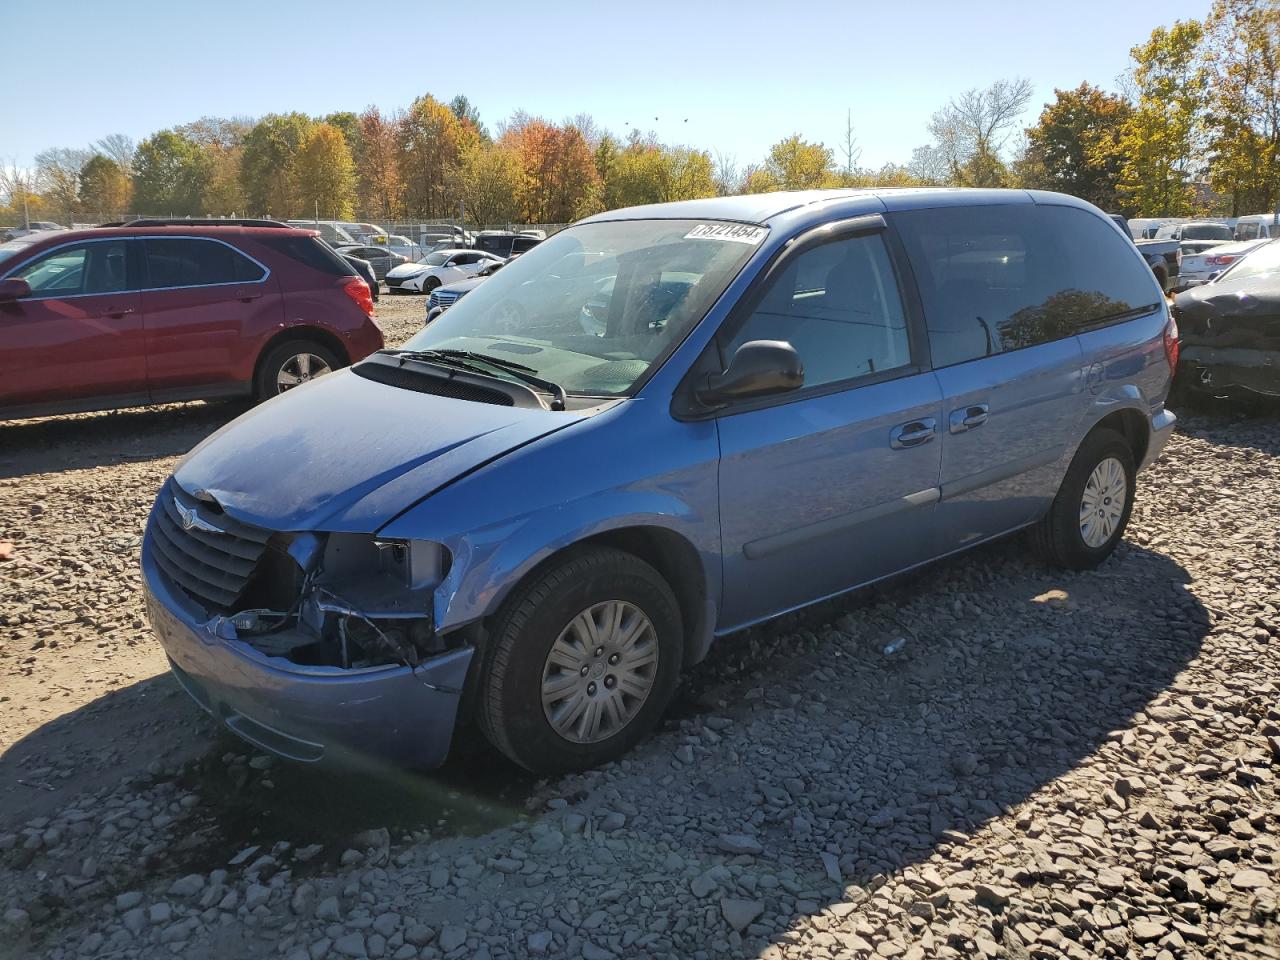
x,y
1103,502
299,369
599,671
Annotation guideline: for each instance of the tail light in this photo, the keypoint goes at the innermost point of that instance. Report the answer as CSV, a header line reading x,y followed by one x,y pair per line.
x,y
358,290
1178,256
1221,260
1171,344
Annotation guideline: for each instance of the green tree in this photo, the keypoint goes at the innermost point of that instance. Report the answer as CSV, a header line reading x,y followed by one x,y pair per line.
x,y
169,174
1075,146
1163,139
1242,38
268,166
104,189
325,175
466,111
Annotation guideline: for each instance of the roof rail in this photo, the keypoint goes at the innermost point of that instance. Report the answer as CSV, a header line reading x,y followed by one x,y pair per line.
x,y
205,222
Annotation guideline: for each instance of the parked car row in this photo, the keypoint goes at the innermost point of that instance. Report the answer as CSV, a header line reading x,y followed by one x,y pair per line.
x,y
660,426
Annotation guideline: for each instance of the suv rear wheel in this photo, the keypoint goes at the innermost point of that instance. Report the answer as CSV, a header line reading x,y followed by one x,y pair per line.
x,y
582,662
1092,508
291,363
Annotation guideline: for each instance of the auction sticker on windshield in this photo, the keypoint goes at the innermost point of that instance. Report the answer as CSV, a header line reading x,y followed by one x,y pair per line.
x,y
737,232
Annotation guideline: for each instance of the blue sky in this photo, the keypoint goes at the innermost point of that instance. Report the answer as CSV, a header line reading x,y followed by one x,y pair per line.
x,y
727,76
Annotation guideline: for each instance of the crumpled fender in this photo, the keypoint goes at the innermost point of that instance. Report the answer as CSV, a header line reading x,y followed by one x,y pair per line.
x,y
569,486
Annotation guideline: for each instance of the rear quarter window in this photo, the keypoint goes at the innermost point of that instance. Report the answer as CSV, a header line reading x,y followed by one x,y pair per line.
x,y
999,278
309,251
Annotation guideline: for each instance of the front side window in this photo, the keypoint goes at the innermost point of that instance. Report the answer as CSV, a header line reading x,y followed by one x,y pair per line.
x,y
1006,277
189,262
838,305
596,306
77,270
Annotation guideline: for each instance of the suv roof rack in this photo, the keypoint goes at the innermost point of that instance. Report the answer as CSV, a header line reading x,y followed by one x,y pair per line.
x,y
205,222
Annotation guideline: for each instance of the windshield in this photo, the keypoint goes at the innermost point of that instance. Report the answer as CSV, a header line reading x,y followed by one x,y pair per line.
x,y
1206,231
7,250
597,305
434,259
1265,259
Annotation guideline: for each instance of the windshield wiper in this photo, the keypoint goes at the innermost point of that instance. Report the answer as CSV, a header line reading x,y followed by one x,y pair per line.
x,y
467,360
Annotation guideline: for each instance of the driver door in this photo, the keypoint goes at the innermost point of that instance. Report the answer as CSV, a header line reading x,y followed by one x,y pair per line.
x,y
832,485
79,335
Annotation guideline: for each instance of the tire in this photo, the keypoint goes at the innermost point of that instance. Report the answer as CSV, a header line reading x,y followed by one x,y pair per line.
x,y
267,380
544,613
430,284
1060,538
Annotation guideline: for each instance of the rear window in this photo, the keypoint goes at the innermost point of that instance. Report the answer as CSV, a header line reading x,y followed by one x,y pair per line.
x,y
1001,278
310,251
189,262
1206,231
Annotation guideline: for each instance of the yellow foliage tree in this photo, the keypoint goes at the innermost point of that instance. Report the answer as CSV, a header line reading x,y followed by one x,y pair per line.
x,y
325,174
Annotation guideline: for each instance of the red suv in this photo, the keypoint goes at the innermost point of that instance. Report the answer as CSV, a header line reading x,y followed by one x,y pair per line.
x,y
159,311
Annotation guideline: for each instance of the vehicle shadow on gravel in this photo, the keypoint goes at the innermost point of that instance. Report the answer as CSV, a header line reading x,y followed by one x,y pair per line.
x,y
82,441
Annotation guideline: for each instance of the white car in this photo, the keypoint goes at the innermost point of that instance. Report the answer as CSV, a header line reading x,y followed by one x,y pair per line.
x,y
1198,268
438,267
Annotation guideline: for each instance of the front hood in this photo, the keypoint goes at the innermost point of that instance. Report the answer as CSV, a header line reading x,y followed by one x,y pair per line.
x,y
343,453
1231,313
407,270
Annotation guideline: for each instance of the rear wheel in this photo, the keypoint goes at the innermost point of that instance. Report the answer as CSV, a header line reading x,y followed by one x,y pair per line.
x,y
290,364
582,662
1092,508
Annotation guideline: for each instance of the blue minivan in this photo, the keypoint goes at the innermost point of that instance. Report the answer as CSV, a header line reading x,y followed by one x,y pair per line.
x,y
659,426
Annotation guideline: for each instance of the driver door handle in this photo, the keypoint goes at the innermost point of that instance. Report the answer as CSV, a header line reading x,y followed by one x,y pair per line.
x,y
913,433
966,418
117,314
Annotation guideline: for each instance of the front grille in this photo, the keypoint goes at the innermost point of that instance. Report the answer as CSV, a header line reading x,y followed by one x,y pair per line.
x,y
441,298
210,567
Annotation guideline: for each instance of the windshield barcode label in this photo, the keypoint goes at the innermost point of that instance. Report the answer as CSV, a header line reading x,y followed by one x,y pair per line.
x,y
737,232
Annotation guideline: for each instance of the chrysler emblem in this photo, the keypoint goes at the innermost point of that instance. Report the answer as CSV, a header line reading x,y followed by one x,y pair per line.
x,y
191,520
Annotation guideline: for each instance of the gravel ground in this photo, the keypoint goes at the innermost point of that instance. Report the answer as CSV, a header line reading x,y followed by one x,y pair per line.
x,y
1051,765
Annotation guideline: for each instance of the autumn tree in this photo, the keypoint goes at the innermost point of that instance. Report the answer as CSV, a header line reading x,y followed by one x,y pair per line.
x,y
104,189
268,167
559,179
169,174
1075,147
120,148
466,111
1242,45
491,181
58,175
379,187
325,174
1162,141
793,164
429,146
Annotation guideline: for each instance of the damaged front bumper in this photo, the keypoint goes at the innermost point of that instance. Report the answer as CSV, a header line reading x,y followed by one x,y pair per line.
x,y
404,714
1223,371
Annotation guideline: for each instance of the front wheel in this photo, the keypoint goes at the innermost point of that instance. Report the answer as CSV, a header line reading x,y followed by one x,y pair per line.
x,y
291,364
1092,508
582,662
430,284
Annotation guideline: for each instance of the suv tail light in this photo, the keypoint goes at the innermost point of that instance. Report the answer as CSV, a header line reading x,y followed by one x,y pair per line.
x,y
1171,344
358,290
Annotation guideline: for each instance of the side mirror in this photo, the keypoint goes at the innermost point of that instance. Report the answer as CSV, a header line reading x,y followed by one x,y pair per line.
x,y
758,368
14,289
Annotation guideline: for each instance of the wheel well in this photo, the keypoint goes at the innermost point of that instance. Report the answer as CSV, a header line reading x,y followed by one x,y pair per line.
x,y
323,337
1131,425
676,559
